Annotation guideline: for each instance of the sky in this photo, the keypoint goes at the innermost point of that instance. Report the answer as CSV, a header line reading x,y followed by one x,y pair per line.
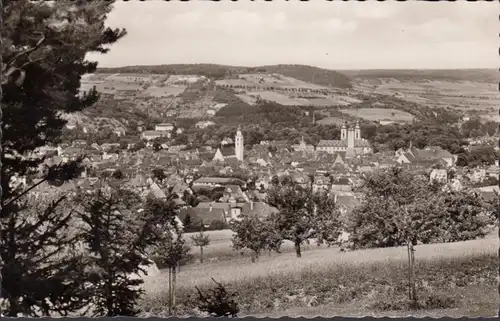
x,y
335,35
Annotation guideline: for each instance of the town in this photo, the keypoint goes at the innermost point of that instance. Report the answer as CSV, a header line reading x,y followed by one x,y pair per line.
x,y
216,185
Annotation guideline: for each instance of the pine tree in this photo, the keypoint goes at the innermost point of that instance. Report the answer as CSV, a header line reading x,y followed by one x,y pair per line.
x,y
115,240
44,45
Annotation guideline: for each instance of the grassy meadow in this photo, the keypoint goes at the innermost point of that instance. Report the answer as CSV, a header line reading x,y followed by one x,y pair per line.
x,y
220,248
376,114
451,278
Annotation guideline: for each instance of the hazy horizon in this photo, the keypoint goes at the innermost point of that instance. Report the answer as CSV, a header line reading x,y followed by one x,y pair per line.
x,y
310,65
330,35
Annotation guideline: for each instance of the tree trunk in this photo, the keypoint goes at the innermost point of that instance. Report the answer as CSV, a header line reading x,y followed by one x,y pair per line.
x,y
254,257
201,254
413,278
169,291
297,248
174,279
409,269
1,153
412,289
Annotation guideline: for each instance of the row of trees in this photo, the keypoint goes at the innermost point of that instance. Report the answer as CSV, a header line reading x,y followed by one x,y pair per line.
x,y
397,209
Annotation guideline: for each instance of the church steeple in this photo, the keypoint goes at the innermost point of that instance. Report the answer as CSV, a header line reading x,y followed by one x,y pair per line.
x,y
239,144
357,131
343,131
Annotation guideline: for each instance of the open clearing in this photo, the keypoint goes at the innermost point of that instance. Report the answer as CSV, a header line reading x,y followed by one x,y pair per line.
x,y
377,114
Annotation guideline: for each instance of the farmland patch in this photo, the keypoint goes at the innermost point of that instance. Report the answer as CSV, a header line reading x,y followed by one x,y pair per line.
x,y
377,114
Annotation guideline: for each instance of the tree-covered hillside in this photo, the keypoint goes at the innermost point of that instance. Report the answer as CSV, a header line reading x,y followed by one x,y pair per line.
x,y
314,75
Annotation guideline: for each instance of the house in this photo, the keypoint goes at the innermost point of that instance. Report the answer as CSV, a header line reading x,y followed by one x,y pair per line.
x,y
438,175
346,202
477,175
436,152
234,191
232,210
164,127
224,153
212,182
79,143
204,124
227,141
321,183
427,156
202,215
341,184
151,135
180,188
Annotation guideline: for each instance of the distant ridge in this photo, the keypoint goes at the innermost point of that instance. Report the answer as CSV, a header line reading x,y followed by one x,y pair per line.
x,y
477,75
314,75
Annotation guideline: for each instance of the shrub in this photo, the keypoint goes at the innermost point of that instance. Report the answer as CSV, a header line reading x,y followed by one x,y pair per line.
x,y
427,301
217,225
218,302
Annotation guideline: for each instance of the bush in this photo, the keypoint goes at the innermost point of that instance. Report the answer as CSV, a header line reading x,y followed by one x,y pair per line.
x,y
217,302
426,302
217,225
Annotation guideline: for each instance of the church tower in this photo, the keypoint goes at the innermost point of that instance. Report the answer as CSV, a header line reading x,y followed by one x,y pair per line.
x,y
238,145
343,132
357,131
350,138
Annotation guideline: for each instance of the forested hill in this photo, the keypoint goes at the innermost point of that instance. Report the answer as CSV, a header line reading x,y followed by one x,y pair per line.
x,y
314,75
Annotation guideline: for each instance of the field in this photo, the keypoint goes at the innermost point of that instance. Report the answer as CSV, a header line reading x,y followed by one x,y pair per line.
x,y
172,90
220,248
331,121
377,114
459,94
327,281
265,80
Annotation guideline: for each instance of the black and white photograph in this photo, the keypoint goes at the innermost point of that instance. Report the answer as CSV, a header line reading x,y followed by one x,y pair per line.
x,y
249,158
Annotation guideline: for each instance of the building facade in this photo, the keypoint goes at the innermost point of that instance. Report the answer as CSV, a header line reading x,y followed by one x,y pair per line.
x,y
350,142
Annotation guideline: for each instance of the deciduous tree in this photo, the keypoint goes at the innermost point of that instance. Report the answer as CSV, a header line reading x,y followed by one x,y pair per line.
x,y
254,234
400,208
303,214
201,240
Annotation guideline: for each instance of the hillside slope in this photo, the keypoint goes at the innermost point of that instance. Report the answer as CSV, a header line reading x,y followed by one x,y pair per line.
x,y
473,75
314,75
